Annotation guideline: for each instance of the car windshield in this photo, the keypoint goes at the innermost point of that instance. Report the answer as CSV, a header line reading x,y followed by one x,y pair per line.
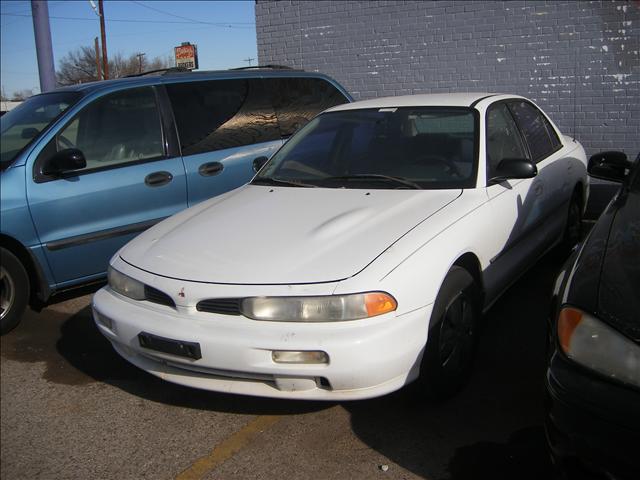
x,y
20,126
389,148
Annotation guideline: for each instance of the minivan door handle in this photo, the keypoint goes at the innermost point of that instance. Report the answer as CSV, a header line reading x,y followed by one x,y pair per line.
x,y
210,169
157,179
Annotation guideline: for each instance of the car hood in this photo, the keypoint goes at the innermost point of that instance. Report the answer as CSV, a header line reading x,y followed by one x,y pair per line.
x,y
282,235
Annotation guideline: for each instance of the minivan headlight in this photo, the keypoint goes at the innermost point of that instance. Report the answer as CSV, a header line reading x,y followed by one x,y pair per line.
x,y
125,285
329,308
595,345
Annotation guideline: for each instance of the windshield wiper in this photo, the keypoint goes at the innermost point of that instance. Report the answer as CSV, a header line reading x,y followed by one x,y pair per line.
x,y
374,176
280,181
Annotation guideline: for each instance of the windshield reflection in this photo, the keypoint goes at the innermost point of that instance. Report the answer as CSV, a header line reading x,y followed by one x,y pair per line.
x,y
410,147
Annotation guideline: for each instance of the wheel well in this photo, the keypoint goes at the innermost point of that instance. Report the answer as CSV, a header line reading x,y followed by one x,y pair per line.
x,y
26,259
579,190
471,264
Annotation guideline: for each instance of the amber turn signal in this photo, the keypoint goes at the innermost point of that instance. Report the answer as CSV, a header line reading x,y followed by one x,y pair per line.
x,y
378,303
568,320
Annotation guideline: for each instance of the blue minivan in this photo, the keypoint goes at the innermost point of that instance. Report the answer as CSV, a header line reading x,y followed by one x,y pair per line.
x,y
86,168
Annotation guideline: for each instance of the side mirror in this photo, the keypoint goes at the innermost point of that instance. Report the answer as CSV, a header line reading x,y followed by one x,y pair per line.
x,y
29,132
63,161
259,162
511,168
612,166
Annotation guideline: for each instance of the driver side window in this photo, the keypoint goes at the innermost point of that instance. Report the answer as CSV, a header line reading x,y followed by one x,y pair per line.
x,y
503,138
120,128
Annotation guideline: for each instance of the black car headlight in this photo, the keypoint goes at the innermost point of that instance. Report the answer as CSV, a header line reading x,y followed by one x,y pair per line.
x,y
595,345
125,285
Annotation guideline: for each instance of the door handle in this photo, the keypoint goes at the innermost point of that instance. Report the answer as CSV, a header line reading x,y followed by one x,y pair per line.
x,y
210,169
157,179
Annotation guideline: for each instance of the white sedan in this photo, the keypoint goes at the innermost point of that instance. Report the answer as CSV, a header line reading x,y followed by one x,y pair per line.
x,y
358,259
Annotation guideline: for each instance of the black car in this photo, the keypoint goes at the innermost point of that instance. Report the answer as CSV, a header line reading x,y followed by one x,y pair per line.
x,y
593,372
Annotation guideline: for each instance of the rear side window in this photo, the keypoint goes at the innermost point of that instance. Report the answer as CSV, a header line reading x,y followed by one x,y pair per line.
x,y
298,100
537,130
221,114
503,139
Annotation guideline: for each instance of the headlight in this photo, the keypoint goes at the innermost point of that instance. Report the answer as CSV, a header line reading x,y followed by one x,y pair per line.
x,y
592,343
125,285
330,308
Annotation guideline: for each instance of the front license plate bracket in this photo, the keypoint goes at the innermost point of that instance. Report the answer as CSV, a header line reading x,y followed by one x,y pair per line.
x,y
169,345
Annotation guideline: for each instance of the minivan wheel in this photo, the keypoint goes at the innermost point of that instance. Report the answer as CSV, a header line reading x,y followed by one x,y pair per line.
x,y
14,291
450,350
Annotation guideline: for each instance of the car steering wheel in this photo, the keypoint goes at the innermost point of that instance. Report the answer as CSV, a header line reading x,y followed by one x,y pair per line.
x,y
449,165
65,142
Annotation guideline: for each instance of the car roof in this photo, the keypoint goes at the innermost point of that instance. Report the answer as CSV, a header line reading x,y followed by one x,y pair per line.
x,y
172,75
424,100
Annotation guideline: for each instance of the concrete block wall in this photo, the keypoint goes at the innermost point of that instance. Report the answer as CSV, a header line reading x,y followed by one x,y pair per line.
x,y
577,59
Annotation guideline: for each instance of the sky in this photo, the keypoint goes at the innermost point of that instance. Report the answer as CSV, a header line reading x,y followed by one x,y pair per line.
x,y
224,32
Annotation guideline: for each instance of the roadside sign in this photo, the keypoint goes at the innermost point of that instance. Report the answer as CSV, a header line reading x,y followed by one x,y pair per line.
x,y
186,56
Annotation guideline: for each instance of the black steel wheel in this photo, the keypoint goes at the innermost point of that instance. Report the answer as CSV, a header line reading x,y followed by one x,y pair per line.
x,y
450,350
14,290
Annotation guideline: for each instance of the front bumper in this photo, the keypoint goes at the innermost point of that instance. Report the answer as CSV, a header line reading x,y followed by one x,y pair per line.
x,y
591,424
367,358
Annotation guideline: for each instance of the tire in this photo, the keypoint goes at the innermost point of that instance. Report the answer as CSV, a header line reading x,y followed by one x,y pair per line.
x,y
573,226
451,346
14,291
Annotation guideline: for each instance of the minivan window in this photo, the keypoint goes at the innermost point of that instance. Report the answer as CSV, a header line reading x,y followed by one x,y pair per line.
x,y
416,147
119,128
220,114
23,124
539,134
297,100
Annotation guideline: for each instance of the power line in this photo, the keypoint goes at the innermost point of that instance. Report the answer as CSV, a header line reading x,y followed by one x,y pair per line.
x,y
88,40
4,6
127,20
183,18
25,13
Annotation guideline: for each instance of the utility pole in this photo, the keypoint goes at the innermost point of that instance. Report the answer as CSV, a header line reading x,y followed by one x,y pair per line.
x,y
140,55
249,60
98,69
44,50
105,61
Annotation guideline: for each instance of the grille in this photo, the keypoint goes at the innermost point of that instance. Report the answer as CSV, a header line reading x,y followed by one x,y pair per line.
x,y
156,296
224,306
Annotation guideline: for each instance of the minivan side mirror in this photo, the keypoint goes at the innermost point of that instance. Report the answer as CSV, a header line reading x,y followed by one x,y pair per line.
x,y
63,161
512,168
259,162
612,166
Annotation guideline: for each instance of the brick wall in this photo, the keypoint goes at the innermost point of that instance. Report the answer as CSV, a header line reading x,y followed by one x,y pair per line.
x,y
532,48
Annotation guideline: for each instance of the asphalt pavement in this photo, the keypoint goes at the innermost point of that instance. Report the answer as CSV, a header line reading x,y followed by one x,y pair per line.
x,y
72,408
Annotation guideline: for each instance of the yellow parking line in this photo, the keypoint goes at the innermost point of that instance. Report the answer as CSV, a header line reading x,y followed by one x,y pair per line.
x,y
228,448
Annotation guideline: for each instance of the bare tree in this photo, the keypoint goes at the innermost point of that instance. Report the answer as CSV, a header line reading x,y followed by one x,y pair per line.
x,y
22,95
79,66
